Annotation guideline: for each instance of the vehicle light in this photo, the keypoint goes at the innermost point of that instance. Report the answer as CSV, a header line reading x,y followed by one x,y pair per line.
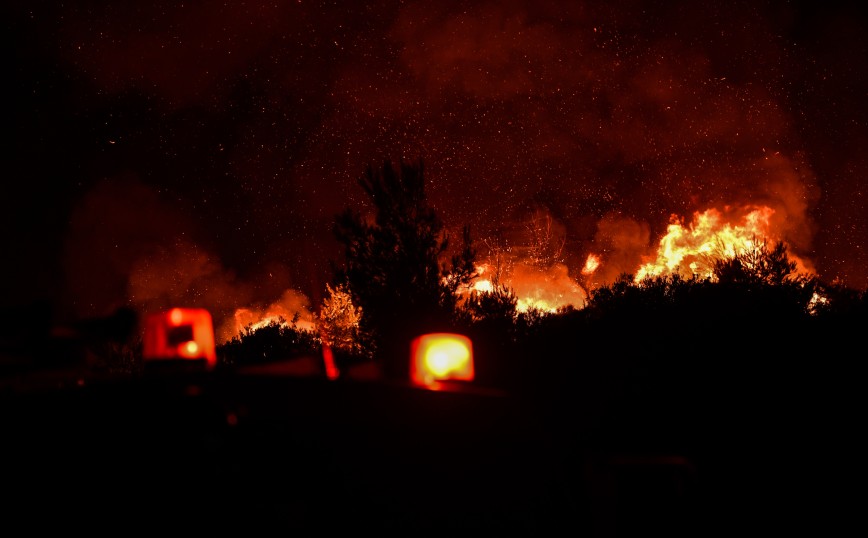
x,y
436,357
185,334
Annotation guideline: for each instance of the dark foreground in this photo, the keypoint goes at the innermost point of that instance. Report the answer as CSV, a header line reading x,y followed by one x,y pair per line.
x,y
267,454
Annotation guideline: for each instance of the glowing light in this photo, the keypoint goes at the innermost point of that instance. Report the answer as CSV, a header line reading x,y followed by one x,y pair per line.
x,y
441,356
190,349
482,283
526,304
253,319
484,286
591,264
180,333
328,357
817,301
692,249
546,289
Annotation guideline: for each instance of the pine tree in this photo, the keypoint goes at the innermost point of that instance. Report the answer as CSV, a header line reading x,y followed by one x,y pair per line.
x,y
394,267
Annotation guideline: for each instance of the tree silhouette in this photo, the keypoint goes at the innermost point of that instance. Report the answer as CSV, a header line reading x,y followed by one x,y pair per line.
x,y
758,264
393,267
276,340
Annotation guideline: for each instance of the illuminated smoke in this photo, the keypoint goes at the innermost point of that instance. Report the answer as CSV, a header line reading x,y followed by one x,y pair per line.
x,y
545,289
126,247
293,308
619,243
602,121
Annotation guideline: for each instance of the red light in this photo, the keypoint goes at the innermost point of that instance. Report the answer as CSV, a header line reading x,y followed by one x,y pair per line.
x,y
180,333
329,361
439,357
176,316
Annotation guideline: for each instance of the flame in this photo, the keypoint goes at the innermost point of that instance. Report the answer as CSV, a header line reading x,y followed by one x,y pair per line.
x,y
692,249
246,317
591,264
686,248
536,288
291,305
483,281
482,285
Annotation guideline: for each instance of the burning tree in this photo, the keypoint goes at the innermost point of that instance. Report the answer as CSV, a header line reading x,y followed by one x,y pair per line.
x,y
757,263
393,265
339,322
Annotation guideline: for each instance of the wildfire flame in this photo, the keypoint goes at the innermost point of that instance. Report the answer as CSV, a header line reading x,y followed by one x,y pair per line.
x,y
290,306
544,289
692,249
686,248
483,282
591,264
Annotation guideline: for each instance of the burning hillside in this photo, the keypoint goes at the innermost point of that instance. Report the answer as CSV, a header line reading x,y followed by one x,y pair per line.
x,y
292,308
687,248
713,234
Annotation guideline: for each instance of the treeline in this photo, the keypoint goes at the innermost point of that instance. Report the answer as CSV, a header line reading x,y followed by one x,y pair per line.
x,y
755,316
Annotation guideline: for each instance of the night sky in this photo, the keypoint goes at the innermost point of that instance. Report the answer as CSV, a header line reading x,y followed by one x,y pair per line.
x,y
196,153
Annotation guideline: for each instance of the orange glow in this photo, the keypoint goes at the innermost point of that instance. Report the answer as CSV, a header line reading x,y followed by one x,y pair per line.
x,y
483,285
190,349
591,264
441,356
180,333
545,289
482,282
291,307
689,247
328,357
245,317
535,288
692,249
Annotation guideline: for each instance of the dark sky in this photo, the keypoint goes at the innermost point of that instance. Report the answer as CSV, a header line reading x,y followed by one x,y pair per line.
x,y
175,153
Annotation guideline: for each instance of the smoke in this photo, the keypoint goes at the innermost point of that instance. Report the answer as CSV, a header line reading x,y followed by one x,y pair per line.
x,y
790,189
613,117
183,53
602,115
546,287
490,51
292,307
126,247
622,243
